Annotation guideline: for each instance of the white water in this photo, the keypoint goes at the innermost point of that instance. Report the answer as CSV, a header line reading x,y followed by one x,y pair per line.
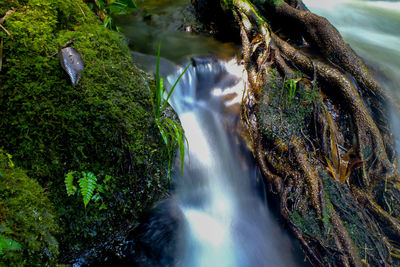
x,y
372,28
226,221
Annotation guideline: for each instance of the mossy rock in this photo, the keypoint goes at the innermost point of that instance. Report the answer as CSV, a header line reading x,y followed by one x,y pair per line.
x,y
103,125
33,226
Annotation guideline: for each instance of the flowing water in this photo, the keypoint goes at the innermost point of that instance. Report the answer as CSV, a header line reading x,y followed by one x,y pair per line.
x,y
220,193
220,199
223,219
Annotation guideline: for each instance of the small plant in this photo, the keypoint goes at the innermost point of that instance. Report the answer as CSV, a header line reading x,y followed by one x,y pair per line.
x,y
171,131
291,85
106,8
8,244
87,186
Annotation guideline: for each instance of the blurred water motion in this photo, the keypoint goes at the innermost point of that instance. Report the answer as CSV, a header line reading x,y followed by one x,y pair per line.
x,y
220,193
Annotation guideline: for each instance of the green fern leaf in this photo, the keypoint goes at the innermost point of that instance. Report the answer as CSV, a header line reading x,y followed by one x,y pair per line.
x,y
88,184
69,179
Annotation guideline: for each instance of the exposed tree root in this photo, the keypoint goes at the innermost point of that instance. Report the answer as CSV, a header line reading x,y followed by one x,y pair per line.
x,y
334,171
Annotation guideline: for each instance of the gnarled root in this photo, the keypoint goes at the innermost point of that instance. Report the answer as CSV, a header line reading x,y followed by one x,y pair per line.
x,y
334,172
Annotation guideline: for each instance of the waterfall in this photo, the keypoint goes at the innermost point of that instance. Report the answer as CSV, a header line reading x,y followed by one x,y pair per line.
x,y
220,194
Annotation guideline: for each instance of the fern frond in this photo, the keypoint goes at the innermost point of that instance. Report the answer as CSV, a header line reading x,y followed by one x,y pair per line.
x,y
69,179
87,184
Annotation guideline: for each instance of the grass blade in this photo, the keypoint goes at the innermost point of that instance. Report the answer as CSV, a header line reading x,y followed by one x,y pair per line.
x,y
158,80
173,87
171,132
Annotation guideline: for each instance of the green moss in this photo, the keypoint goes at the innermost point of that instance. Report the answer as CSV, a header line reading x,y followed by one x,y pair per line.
x,y
363,236
281,117
103,125
308,223
25,217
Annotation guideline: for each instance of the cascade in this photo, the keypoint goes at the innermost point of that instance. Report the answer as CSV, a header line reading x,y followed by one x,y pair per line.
x,y
220,194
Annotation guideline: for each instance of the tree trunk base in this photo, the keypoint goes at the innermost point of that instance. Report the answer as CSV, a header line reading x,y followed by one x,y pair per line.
x,y
322,138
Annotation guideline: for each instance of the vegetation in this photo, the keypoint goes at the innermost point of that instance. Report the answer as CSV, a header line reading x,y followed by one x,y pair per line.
x,y
27,223
88,186
285,116
105,9
8,245
328,157
291,85
171,131
102,125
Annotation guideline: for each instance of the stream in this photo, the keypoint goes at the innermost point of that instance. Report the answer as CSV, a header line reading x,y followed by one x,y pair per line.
x,y
221,194
218,213
218,207
220,199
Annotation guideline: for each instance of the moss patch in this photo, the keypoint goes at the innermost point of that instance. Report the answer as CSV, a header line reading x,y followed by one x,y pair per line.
x,y
310,224
281,116
103,125
360,230
33,226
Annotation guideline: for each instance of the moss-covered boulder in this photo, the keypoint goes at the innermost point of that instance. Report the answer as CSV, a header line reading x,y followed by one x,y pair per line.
x,y
103,125
26,217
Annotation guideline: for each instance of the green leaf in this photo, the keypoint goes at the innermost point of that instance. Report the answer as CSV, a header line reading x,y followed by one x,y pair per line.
x,y
164,134
158,80
8,244
96,197
160,94
108,22
181,145
103,206
69,179
107,179
180,138
173,87
10,162
151,98
171,132
117,8
121,6
87,184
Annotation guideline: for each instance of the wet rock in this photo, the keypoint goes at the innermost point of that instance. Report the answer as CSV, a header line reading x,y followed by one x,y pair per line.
x,y
153,242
